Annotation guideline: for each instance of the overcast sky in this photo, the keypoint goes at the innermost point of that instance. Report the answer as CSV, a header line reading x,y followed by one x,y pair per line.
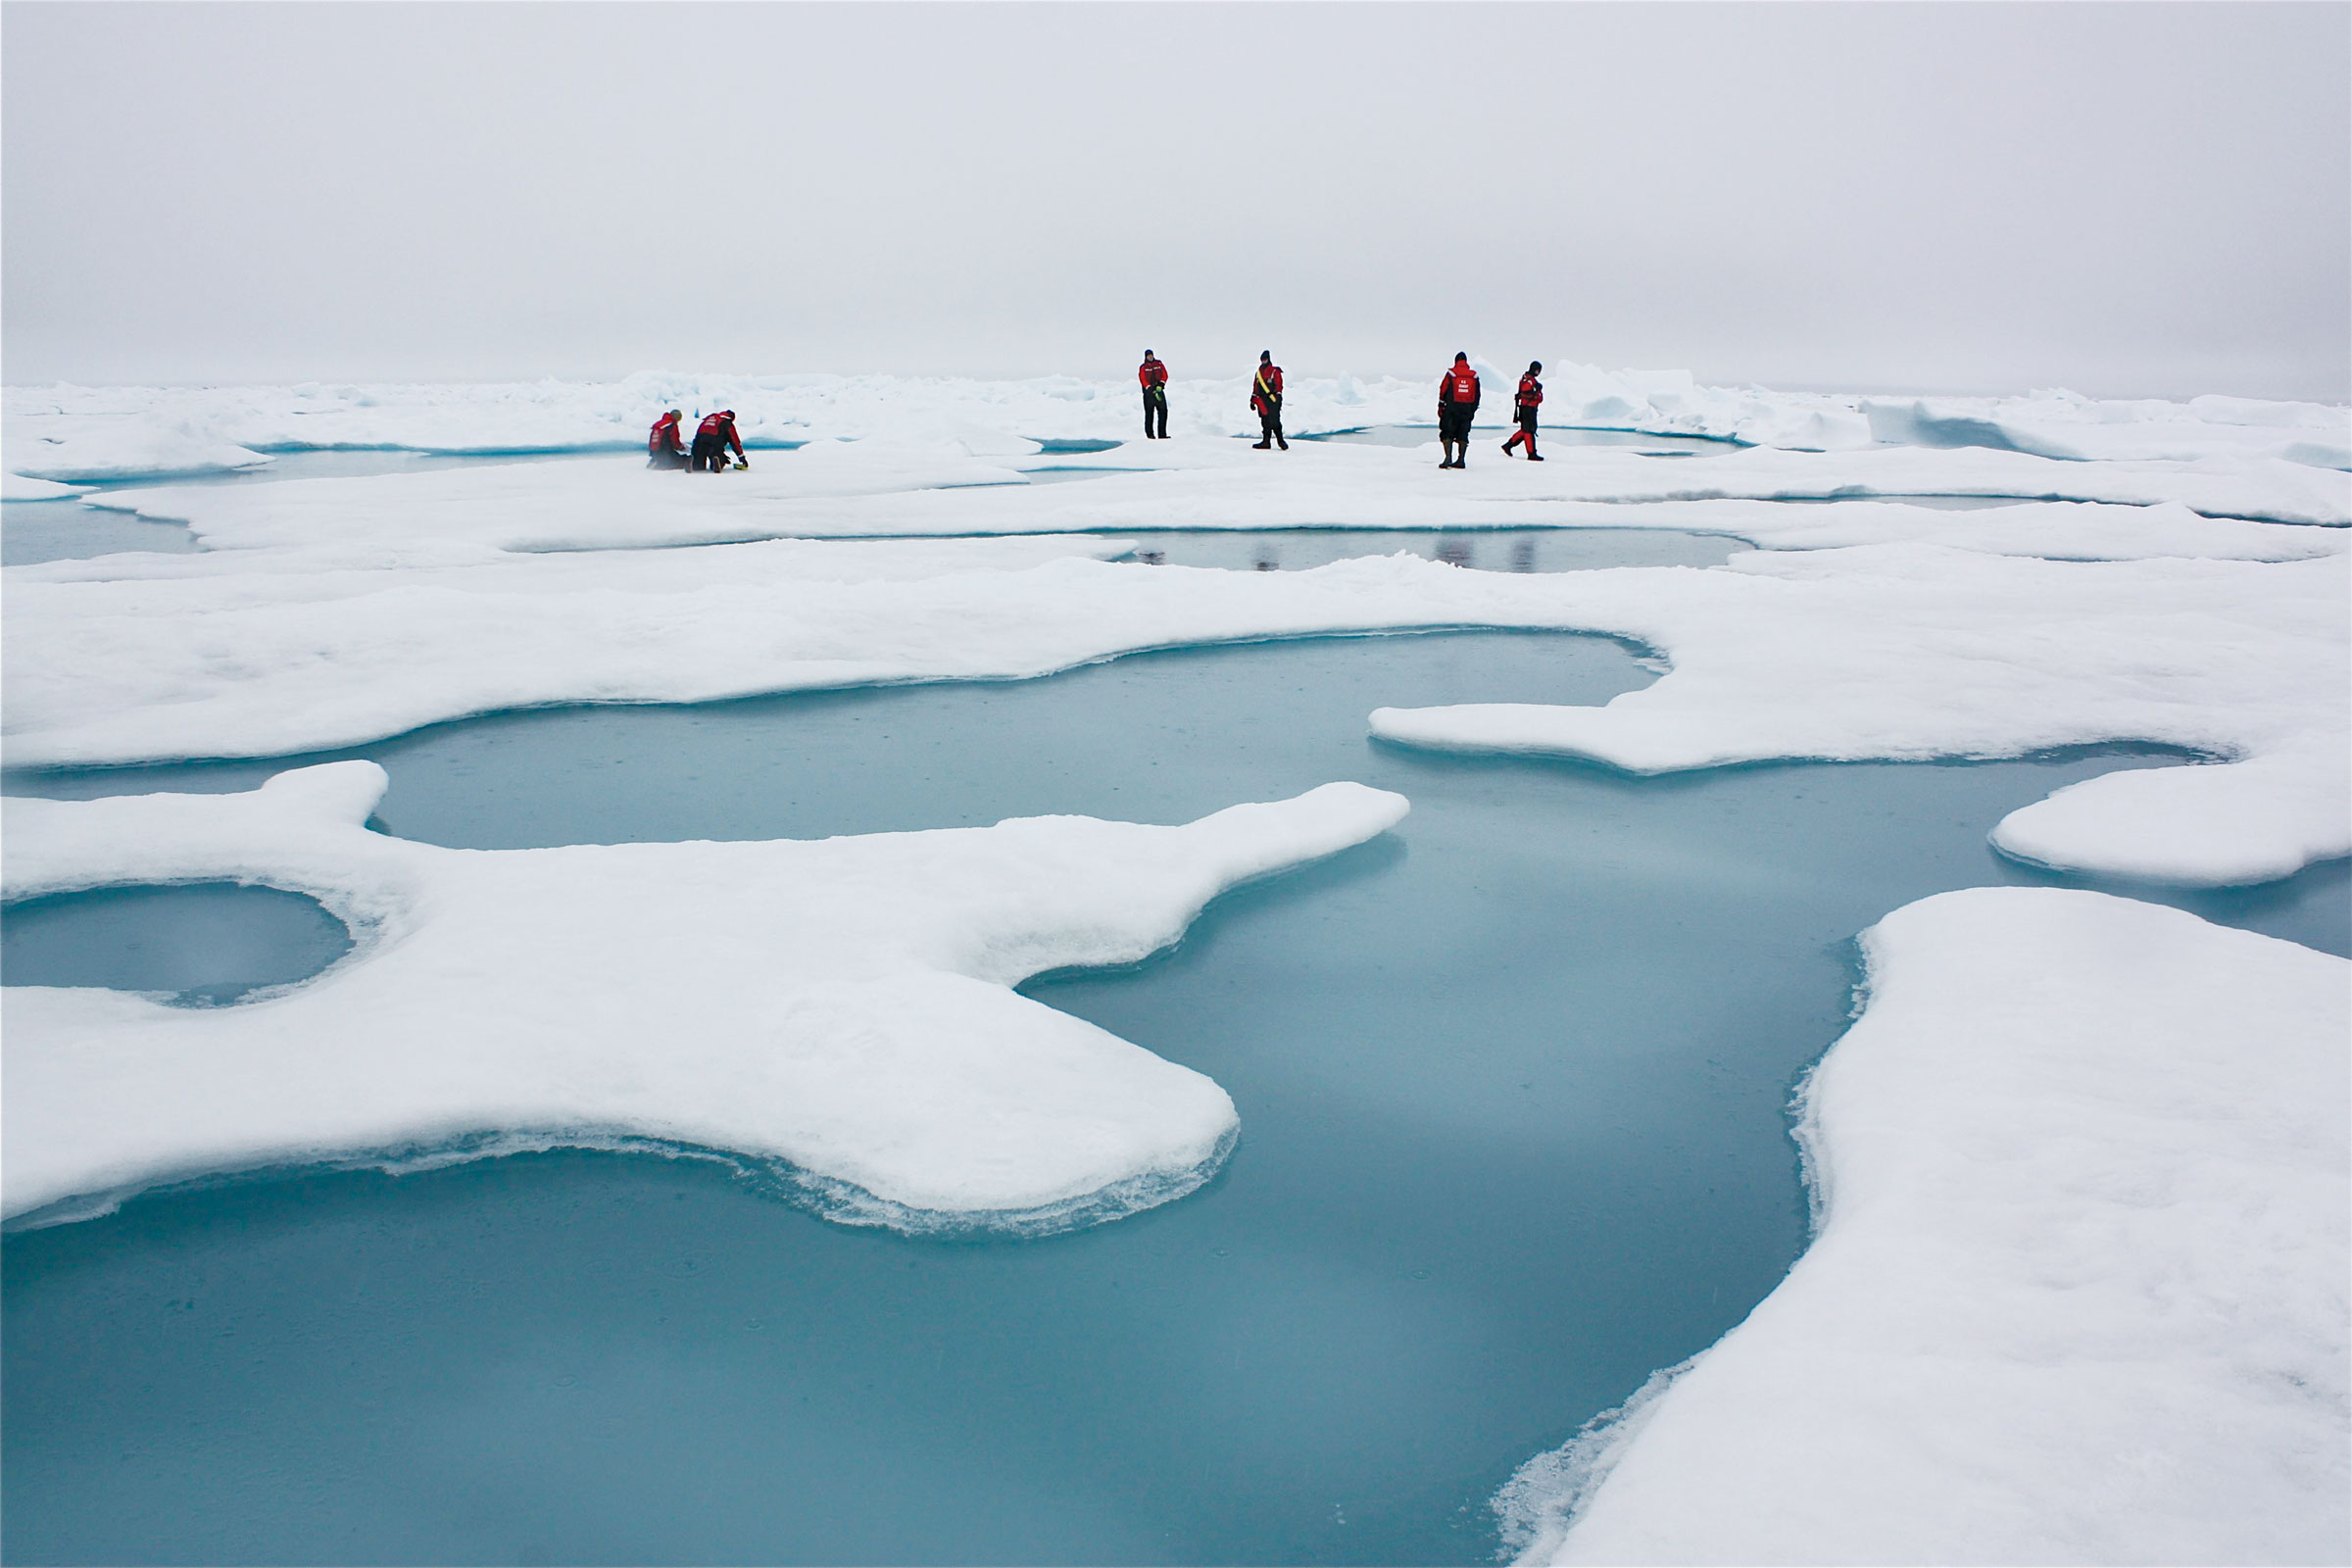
x,y
2120,198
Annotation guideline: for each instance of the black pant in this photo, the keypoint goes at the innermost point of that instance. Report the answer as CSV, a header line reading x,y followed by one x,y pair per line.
x,y
666,458
1454,421
710,453
1269,423
1156,406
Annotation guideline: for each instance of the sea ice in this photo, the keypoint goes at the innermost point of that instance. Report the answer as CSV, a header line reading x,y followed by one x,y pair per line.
x,y
17,487
317,632
843,1006
70,431
2077,1291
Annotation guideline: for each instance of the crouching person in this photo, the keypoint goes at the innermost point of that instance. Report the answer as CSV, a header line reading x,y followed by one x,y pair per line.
x,y
711,438
664,446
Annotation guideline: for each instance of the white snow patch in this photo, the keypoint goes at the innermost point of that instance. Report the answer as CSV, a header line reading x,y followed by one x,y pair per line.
x,y
2078,1293
842,1005
2067,424
17,487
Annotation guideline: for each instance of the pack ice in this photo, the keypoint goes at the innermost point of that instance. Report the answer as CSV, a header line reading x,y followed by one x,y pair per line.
x,y
85,434
330,613
839,1010
2077,1290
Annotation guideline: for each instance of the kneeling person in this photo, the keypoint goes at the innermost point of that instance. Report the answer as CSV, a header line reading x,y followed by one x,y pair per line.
x,y
711,438
664,448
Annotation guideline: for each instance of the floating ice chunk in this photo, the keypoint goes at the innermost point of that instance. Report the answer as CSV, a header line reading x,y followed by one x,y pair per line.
x,y
2210,826
2078,1288
17,487
844,1007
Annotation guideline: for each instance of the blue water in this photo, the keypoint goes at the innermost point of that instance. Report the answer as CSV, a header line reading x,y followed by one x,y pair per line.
x,y
1512,1084
1479,549
202,943
1417,435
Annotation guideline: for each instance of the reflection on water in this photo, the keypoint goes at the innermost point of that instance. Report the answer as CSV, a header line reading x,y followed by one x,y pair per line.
x,y
1479,549
33,531
1419,435
1512,1084
201,943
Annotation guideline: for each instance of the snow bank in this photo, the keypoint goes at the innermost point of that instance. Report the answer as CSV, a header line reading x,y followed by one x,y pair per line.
x,y
844,1007
2067,424
17,487
95,447
2078,1288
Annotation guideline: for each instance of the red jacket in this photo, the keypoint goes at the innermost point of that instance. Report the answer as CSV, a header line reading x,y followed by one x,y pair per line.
x,y
1266,383
663,436
1459,385
1152,373
720,425
1531,391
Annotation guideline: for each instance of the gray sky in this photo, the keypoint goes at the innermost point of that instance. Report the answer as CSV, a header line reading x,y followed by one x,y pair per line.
x,y
2120,198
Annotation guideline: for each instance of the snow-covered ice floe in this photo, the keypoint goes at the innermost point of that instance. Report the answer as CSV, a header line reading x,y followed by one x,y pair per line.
x,y
838,1012
98,433
2079,1287
338,612
17,487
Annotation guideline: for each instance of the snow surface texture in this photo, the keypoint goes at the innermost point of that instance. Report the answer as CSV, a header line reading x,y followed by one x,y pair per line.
x,y
15,487
866,489
842,1007
334,612
98,433
2078,1288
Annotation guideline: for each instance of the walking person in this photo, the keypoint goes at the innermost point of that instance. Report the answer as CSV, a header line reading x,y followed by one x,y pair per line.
x,y
1528,399
664,448
1154,378
1457,405
1265,396
711,438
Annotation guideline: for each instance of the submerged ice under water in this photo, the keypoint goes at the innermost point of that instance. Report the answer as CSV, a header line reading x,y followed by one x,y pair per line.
x,y
1512,1085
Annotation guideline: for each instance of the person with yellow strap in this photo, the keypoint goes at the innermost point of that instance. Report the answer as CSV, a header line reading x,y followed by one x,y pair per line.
x,y
1265,396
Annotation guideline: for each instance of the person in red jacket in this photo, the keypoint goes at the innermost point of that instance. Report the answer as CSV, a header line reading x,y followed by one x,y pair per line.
x,y
1529,398
1265,396
711,438
1154,377
664,448
1457,405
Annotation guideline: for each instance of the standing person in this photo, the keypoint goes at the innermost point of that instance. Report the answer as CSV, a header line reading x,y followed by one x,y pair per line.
x,y
1154,378
1524,404
1457,405
664,448
711,438
1265,396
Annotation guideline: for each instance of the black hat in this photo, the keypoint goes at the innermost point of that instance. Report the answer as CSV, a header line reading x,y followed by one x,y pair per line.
x,y
1263,355
1533,365
1459,357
